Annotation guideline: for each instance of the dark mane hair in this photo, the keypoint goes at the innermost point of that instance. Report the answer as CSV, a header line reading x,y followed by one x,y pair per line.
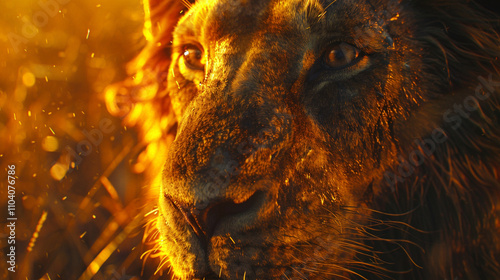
x,y
466,35
451,202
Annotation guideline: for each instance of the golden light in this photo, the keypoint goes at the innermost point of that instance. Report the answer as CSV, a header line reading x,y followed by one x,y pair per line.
x,y
148,27
50,144
58,171
59,57
28,79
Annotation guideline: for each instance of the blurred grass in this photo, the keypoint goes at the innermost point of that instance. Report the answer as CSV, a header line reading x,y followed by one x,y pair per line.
x,y
86,223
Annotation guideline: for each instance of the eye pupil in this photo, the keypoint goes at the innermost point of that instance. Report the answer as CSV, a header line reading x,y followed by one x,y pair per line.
x,y
341,55
337,55
193,57
193,53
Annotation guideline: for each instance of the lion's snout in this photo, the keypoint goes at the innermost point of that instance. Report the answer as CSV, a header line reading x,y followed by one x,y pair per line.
x,y
216,168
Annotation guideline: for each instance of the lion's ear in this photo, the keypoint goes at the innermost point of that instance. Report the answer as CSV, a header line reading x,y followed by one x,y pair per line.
x,y
162,15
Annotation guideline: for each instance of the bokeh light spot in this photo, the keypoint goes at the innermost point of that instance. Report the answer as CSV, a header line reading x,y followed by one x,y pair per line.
x,y
58,171
28,79
29,202
50,144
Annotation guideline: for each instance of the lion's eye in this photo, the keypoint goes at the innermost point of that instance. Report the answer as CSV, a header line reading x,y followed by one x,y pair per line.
x,y
193,57
341,55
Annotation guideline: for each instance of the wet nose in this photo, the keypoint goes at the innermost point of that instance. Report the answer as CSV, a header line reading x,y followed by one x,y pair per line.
x,y
204,219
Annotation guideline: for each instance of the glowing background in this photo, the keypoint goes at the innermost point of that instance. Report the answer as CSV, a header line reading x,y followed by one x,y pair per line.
x,y
76,214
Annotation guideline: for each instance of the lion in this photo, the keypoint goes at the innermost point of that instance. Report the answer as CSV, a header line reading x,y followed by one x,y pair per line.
x,y
319,139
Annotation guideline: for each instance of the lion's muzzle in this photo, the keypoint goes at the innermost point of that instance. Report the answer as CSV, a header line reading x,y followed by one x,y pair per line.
x,y
214,180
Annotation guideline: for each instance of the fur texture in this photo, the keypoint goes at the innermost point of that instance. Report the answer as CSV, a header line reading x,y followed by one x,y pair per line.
x,y
317,139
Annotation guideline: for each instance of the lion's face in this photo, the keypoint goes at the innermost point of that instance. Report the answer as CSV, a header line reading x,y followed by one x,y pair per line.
x,y
286,114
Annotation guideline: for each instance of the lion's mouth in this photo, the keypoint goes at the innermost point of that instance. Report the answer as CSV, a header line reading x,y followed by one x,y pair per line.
x,y
204,221
227,238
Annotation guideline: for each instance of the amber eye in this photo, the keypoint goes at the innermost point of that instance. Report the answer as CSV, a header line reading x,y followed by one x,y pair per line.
x,y
193,57
341,55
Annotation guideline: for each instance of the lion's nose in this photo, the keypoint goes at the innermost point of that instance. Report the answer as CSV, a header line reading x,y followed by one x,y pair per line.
x,y
204,219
